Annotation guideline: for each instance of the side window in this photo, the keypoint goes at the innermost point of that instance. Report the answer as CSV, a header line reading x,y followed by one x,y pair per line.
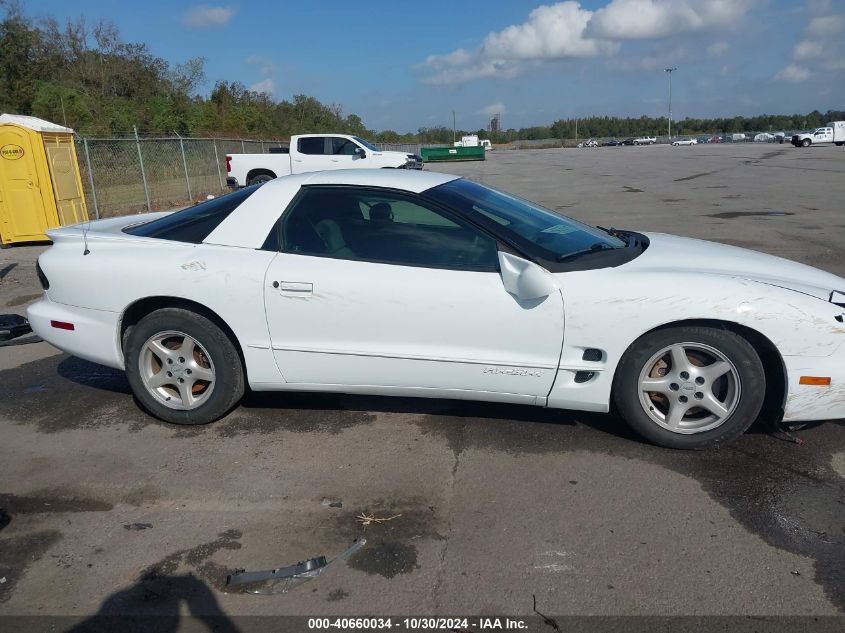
x,y
312,145
342,146
377,226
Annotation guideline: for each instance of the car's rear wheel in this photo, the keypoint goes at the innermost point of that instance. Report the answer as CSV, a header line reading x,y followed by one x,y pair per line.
x,y
690,387
182,367
259,179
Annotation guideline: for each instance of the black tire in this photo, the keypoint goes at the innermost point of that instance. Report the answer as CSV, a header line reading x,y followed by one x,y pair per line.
x,y
736,349
806,142
259,179
228,369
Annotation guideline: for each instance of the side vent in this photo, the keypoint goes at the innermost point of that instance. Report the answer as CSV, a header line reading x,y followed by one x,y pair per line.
x,y
584,376
593,355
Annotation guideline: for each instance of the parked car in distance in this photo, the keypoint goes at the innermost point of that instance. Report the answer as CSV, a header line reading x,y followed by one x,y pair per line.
x,y
611,143
645,140
397,282
685,141
588,143
628,141
715,139
314,152
703,139
833,132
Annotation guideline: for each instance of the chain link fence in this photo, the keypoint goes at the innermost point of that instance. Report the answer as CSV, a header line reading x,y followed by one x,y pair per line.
x,y
122,176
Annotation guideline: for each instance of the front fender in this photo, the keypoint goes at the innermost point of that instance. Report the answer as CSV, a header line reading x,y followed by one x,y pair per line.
x,y
610,309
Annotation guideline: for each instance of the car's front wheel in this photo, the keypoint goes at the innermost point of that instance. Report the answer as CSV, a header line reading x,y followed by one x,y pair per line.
x,y
690,387
182,367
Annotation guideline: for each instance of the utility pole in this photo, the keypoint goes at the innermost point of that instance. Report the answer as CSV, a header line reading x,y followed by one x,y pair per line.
x,y
576,131
453,128
670,71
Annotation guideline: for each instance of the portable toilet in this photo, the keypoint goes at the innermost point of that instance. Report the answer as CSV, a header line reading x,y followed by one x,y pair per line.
x,y
40,186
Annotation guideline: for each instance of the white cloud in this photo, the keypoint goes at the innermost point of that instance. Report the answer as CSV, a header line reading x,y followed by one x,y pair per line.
x,y
566,31
807,49
493,109
793,73
646,19
265,85
204,16
825,25
821,50
551,32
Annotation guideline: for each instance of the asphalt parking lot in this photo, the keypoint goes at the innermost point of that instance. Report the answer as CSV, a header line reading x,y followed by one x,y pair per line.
x,y
105,510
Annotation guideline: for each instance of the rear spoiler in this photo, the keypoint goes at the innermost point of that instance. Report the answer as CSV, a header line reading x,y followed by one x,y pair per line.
x,y
111,227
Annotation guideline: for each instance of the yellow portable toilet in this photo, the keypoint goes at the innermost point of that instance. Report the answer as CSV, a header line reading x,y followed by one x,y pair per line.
x,y
40,187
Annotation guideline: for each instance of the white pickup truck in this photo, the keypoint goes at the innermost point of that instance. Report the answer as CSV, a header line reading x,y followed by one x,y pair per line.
x,y
314,152
833,132
645,140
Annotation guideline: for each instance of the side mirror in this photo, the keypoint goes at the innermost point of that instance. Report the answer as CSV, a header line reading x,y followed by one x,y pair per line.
x,y
525,280
360,152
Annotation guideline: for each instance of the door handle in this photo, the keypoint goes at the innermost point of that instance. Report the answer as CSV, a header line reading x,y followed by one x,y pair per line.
x,y
294,287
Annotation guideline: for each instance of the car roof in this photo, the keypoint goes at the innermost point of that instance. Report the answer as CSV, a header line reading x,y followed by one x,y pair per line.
x,y
412,180
248,225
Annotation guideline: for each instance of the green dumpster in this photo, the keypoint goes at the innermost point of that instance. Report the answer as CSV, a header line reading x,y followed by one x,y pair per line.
x,y
435,154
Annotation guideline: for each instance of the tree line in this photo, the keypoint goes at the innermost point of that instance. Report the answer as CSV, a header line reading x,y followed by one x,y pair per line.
x,y
88,78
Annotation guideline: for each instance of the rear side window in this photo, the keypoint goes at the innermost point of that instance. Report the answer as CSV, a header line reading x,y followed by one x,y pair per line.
x,y
312,145
194,224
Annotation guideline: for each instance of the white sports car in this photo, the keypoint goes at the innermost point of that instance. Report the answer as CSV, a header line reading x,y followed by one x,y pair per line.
x,y
423,284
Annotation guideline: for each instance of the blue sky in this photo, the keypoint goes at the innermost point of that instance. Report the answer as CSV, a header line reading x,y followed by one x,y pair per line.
x,y
403,65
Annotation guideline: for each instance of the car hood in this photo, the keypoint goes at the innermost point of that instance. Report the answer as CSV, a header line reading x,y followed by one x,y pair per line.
x,y
683,254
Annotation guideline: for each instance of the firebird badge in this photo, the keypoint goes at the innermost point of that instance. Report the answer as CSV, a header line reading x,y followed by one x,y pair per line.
x,y
513,371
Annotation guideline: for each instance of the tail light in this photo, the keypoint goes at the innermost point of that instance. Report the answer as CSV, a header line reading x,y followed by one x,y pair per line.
x,y
228,164
42,278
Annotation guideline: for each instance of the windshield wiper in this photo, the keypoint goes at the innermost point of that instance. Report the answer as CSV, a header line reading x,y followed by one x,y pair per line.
x,y
595,248
625,236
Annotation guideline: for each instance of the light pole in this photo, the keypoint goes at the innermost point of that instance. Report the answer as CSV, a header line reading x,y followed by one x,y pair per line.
x,y
453,127
670,71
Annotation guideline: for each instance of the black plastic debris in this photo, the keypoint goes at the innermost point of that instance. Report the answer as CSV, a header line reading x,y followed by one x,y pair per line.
x,y
13,326
283,579
137,526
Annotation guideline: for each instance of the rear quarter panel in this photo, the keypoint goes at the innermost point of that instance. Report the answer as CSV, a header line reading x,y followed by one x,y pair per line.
x,y
119,272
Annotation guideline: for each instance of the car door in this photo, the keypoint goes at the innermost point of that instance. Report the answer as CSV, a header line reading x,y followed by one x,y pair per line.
x,y
344,153
378,291
312,154
823,135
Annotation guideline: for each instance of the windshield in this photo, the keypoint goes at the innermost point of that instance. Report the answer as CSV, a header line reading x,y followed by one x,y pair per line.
x,y
366,144
537,230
